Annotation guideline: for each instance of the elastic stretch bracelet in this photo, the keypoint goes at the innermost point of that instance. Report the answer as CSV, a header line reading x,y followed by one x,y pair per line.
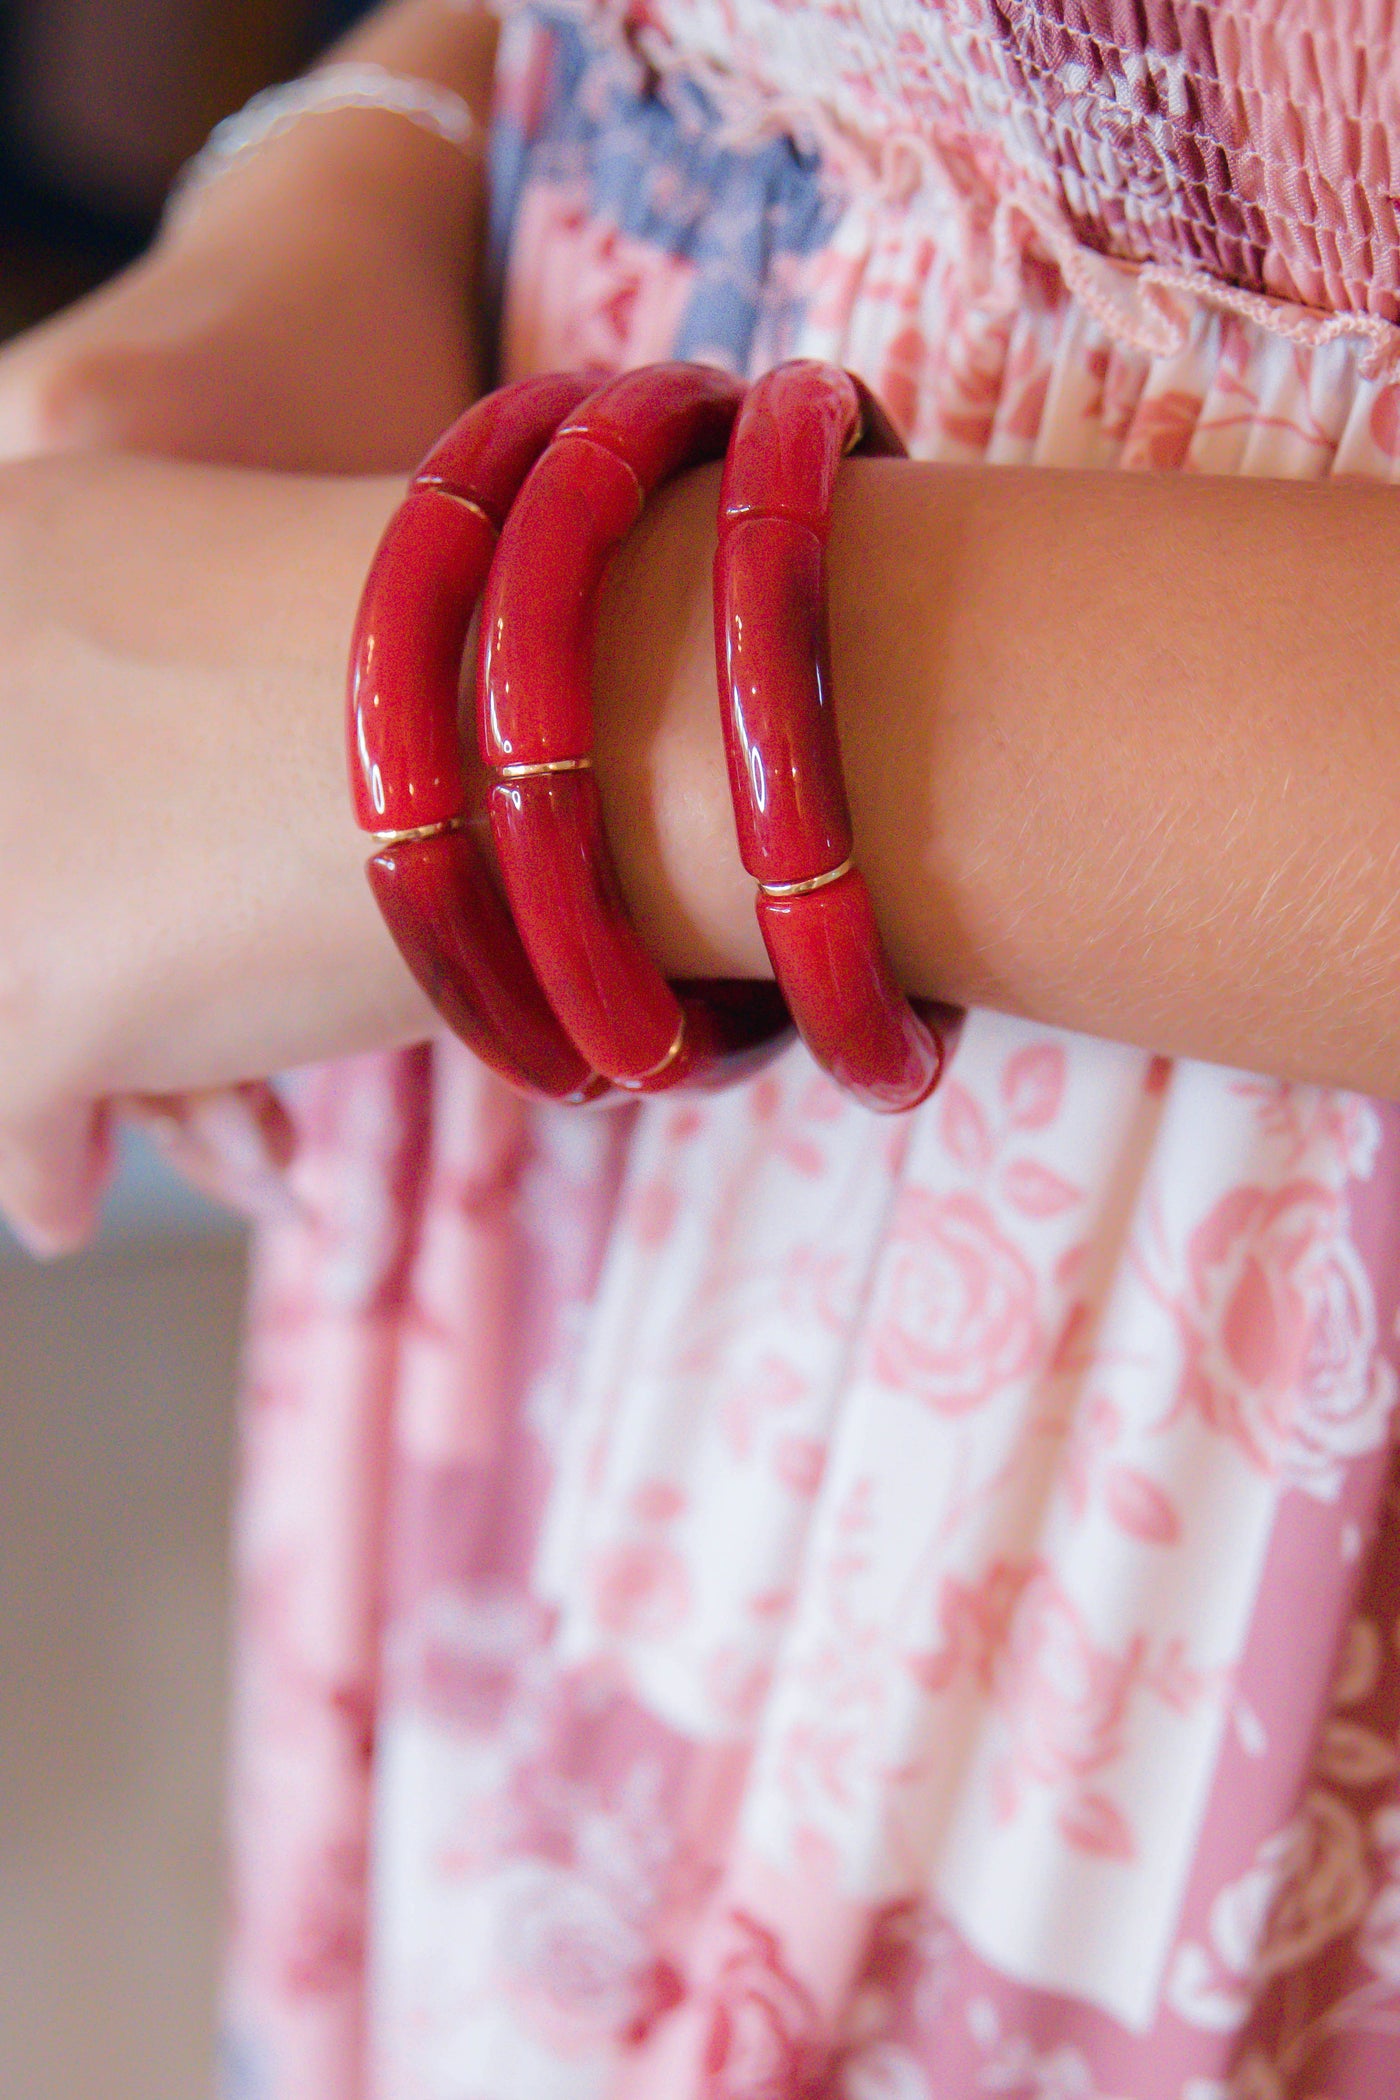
x,y
779,720
350,85
429,877
529,496
535,727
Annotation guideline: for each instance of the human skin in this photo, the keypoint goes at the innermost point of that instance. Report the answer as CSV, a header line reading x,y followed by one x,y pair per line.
x,y
1121,754
310,309
1120,750
313,309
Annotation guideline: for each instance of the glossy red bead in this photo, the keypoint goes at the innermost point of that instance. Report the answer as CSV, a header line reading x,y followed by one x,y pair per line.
x,y
460,942
599,979
435,892
420,595
488,452
788,441
534,710
406,661
774,671
661,418
534,679
774,663
827,954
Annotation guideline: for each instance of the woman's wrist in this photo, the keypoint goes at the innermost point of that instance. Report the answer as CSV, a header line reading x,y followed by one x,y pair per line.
x,y
1121,752
1122,756
192,908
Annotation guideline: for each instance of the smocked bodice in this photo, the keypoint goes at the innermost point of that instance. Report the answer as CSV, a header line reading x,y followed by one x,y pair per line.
x,y
1256,142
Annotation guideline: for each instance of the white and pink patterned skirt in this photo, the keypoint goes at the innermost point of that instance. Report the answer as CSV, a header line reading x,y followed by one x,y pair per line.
x,y
746,1601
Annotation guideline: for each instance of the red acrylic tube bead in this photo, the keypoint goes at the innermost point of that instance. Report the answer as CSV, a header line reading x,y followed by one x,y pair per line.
x,y
535,701
458,939
786,783
406,666
484,458
534,704
598,977
798,422
827,955
429,879
781,744
535,726
660,418
419,597
575,928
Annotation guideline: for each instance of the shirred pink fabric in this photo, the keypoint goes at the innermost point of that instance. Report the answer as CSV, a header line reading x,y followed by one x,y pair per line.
x,y
744,1601
1254,143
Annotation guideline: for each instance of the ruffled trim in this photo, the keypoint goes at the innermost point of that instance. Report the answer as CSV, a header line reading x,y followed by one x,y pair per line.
x,y
1149,307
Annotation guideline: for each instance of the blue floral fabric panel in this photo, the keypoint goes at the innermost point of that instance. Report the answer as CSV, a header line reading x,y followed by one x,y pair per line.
x,y
646,155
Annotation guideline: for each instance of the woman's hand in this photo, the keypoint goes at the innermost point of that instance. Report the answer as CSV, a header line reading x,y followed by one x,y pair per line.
x,y
182,900
287,351
311,310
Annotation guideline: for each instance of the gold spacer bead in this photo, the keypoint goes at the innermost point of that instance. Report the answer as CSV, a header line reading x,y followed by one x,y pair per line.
x,y
545,765
654,1071
813,882
417,831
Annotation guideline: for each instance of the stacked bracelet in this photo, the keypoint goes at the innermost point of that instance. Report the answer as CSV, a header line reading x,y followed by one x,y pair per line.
x,y
535,723
527,497
430,878
790,807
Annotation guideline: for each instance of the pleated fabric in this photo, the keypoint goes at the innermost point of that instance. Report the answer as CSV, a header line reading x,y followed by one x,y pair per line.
x,y
744,1600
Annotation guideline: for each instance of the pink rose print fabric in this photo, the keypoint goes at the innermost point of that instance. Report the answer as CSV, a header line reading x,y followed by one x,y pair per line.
x,y
743,1600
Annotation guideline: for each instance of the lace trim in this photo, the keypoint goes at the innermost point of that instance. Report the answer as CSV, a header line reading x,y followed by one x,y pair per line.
x,y
1144,306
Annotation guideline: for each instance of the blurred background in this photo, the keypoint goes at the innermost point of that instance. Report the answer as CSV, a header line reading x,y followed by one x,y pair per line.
x,y
116,1368
100,103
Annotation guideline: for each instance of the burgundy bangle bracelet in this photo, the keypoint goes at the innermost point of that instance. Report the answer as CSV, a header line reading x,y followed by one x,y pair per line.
x,y
535,723
780,737
529,495
430,878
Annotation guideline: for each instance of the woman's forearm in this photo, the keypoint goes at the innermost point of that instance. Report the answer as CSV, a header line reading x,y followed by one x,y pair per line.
x,y
315,306
1123,753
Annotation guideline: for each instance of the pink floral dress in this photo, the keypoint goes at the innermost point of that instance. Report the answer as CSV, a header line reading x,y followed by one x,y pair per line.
x,y
742,1600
